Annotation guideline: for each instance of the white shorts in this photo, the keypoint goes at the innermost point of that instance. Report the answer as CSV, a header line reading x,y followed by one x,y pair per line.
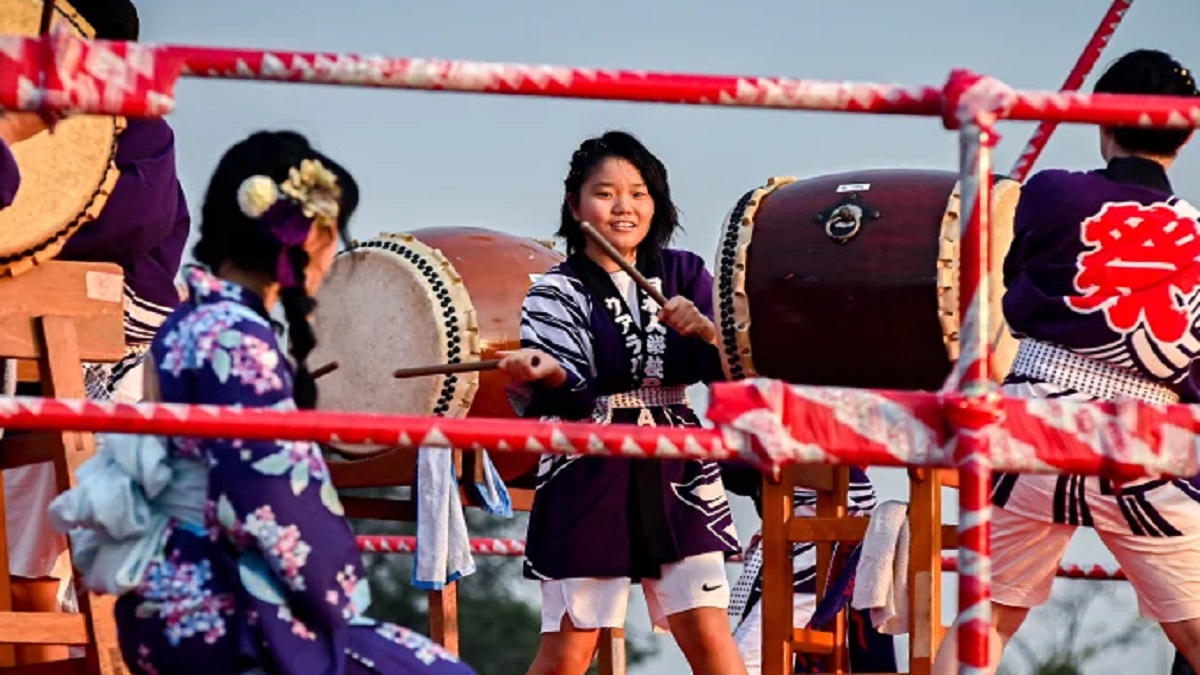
x,y
1164,571
698,581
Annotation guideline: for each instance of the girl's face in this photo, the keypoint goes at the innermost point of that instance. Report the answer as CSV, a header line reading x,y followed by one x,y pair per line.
x,y
615,201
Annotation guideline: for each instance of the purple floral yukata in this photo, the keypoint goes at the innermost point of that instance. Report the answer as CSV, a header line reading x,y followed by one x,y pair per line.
x,y
273,580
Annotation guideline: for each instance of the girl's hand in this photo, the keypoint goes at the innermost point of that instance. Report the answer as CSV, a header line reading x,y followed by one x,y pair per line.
x,y
681,314
530,365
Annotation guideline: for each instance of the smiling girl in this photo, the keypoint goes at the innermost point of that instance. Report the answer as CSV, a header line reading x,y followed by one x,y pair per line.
x,y
605,351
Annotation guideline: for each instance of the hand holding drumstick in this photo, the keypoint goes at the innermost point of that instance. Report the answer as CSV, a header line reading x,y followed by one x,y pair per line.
x,y
679,313
529,365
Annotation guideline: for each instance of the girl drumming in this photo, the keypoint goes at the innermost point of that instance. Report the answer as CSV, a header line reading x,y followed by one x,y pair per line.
x,y
234,556
595,346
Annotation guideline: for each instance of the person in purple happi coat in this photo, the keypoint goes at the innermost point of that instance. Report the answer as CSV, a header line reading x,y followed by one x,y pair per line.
x,y
596,346
1103,291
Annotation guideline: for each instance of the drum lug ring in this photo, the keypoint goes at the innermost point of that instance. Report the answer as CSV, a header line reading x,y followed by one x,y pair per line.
x,y
844,220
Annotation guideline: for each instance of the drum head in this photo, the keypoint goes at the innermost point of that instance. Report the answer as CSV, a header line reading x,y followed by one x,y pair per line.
x,y
66,176
392,303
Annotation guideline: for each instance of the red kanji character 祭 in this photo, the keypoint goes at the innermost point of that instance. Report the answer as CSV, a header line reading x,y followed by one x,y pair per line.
x,y
1141,270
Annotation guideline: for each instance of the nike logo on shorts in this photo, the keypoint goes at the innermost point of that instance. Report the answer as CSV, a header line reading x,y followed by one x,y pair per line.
x,y
706,587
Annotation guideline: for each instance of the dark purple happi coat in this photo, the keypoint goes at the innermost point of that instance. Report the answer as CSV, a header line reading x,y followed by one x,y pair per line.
x,y
1106,263
619,517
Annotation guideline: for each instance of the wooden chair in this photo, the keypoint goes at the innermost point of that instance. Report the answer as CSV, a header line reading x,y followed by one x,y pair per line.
x,y
54,318
928,537
781,639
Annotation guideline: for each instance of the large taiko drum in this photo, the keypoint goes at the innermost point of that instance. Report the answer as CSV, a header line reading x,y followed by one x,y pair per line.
x,y
66,176
852,280
427,297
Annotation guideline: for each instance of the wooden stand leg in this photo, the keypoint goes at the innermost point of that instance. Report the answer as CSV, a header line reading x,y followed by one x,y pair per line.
x,y
443,617
7,655
777,576
62,377
925,569
612,651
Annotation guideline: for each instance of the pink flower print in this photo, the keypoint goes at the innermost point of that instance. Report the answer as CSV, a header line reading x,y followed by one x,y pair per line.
x,y
178,593
298,628
256,363
203,284
284,548
144,662
348,580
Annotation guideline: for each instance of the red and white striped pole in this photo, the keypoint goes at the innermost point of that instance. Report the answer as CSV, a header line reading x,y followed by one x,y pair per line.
x,y
1087,60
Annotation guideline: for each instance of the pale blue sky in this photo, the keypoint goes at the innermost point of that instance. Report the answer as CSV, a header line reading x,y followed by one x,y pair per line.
x,y
438,159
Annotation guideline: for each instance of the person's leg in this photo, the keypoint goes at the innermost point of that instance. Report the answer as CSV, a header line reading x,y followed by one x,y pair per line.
x,y
1005,622
1165,574
573,612
1025,554
704,637
690,600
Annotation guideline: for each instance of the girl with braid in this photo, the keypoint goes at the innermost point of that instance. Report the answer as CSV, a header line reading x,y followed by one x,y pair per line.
x,y
234,556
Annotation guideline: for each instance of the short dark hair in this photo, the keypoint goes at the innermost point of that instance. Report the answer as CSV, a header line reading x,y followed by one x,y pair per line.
x,y
625,146
112,19
1155,73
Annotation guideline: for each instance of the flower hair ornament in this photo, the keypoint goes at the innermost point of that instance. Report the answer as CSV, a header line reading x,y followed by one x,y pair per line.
x,y
309,197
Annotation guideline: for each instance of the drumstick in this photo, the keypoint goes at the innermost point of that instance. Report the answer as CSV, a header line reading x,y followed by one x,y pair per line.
x,y
47,13
324,370
447,368
625,264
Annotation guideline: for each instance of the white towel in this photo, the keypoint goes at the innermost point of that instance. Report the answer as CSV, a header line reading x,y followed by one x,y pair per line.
x,y
881,584
443,546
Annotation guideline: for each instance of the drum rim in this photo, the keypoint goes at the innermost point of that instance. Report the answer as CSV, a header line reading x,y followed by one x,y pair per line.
x,y
948,277
52,243
731,305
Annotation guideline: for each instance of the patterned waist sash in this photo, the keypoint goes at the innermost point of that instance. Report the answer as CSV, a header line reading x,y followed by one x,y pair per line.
x,y
647,397
1055,365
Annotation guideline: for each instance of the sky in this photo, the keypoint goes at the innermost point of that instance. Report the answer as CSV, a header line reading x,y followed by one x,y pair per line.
x,y
427,159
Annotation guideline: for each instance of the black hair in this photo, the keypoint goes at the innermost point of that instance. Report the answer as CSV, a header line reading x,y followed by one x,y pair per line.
x,y
625,146
1154,73
228,235
112,19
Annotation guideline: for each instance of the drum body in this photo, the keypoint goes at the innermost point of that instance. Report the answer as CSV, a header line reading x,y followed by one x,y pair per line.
x,y
428,297
851,280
